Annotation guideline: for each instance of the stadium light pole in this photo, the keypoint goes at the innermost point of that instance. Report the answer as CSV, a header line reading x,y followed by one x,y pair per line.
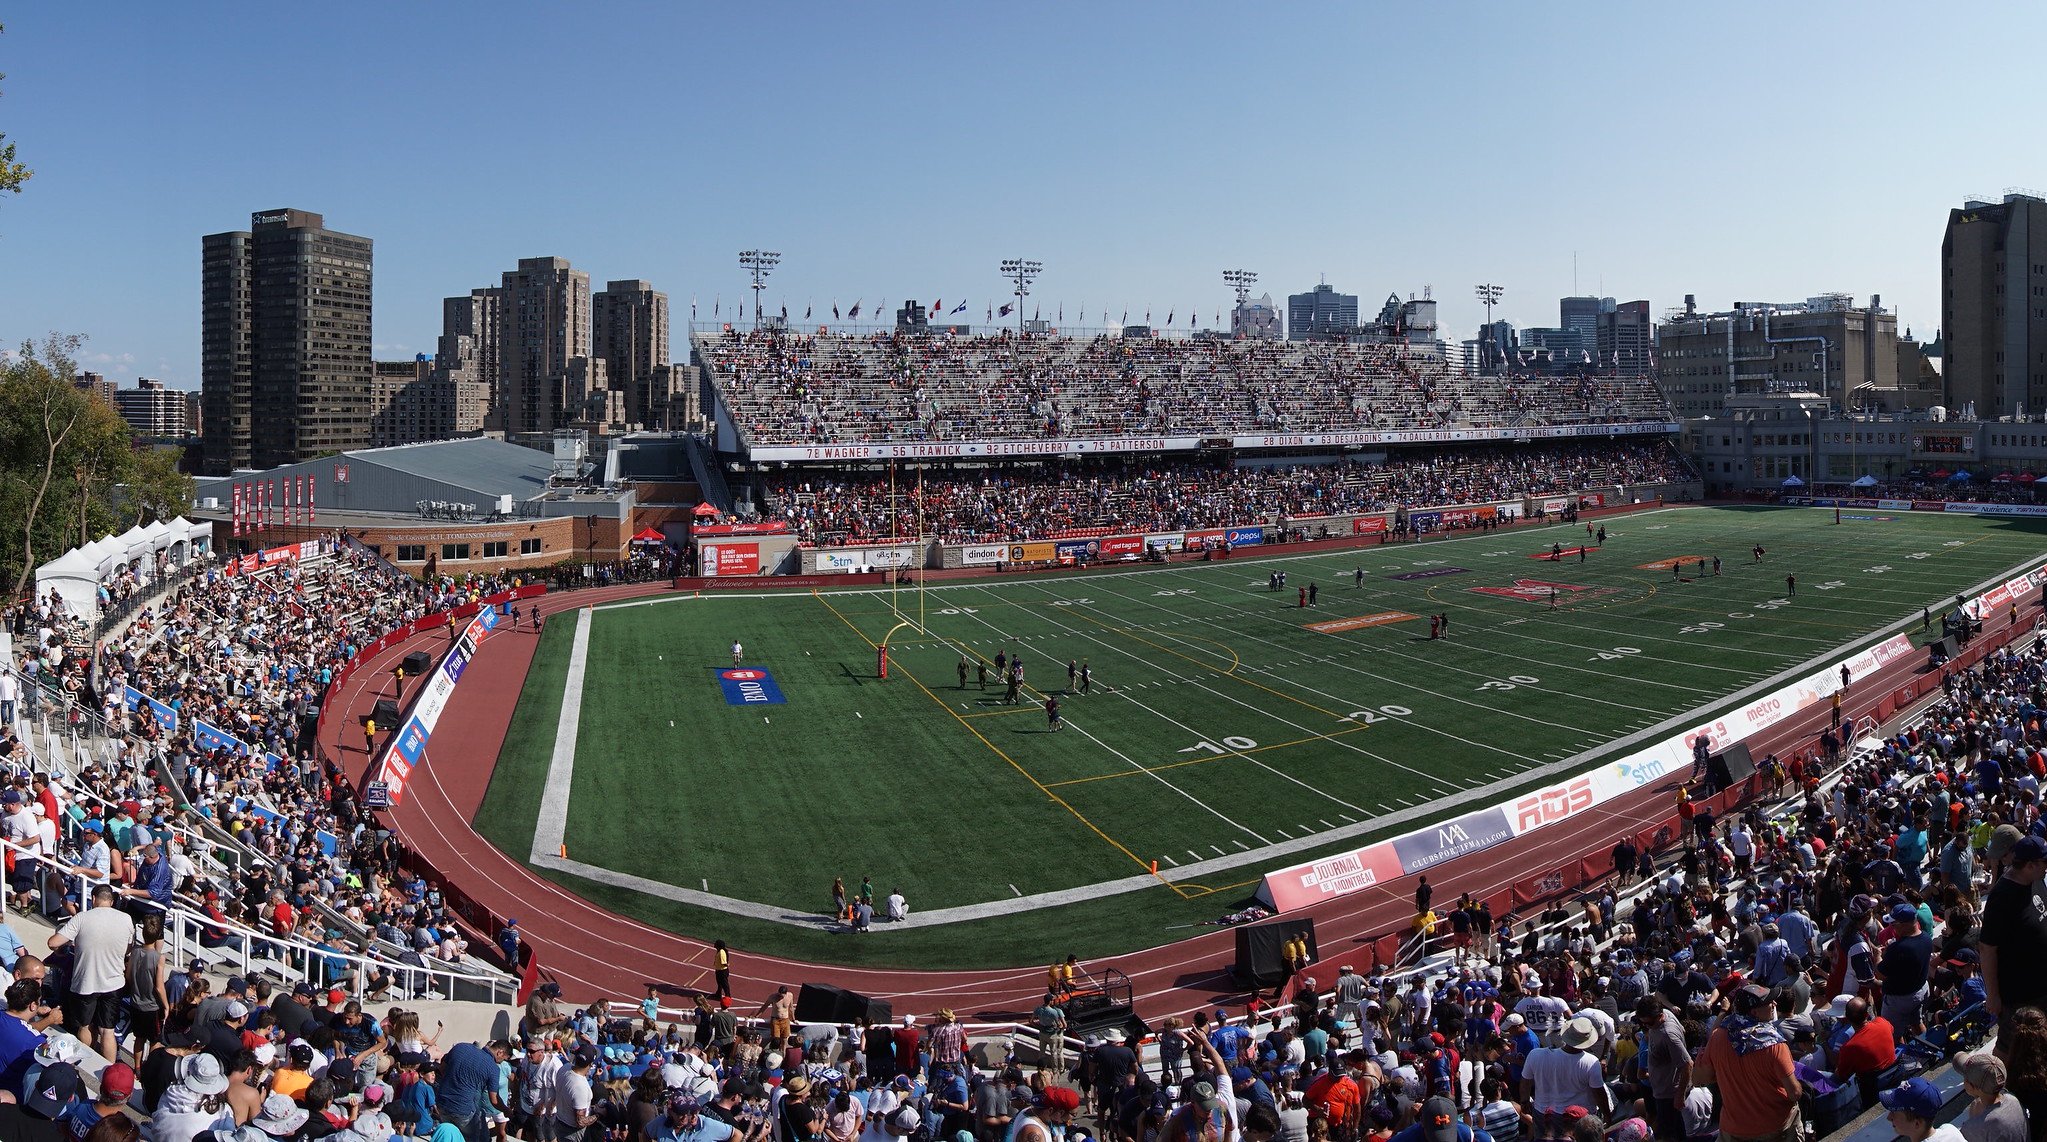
x,y
759,263
1488,295
1021,272
1240,281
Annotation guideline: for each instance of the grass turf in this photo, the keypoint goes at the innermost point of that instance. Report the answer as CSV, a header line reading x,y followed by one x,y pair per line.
x,y
1220,721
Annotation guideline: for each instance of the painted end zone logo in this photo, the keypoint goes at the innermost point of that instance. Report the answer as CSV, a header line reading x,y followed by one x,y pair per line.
x,y
1432,573
1338,626
1667,564
749,686
1542,591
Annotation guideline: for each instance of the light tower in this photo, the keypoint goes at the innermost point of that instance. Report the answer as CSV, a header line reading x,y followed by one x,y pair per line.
x,y
1021,272
759,263
1488,295
1240,281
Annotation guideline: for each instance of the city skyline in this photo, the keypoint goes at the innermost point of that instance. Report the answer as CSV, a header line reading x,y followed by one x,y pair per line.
x,y
889,161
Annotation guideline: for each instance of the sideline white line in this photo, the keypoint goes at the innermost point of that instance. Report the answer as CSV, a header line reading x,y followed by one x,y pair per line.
x,y
551,829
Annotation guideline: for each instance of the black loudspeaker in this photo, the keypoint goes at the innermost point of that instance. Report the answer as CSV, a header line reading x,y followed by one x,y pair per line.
x,y
823,1003
385,713
1731,766
1260,962
416,663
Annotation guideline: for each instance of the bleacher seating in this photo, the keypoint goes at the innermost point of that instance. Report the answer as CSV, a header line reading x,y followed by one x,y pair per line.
x,y
797,389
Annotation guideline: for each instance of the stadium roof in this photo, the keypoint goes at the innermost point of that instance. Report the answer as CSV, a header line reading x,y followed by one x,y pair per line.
x,y
490,468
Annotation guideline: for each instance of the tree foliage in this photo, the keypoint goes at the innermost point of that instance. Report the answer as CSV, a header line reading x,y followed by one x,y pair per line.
x,y
12,174
69,471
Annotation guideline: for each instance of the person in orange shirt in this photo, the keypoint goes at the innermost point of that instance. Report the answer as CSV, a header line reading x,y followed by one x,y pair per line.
x,y
1748,1059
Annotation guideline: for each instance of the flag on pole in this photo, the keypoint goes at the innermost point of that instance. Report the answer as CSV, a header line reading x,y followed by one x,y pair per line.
x,y
991,312
1037,313
715,303
312,512
1006,307
806,311
854,313
960,308
692,307
237,513
835,311
938,307
1169,316
785,313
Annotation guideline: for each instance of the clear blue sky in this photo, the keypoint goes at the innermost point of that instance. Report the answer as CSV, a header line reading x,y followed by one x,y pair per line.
x,y
1734,151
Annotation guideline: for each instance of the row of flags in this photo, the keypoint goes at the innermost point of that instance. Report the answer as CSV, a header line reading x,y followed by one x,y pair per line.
x,y
937,308
282,501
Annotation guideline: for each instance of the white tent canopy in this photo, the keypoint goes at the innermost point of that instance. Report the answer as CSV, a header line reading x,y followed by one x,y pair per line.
x,y
78,574
1865,481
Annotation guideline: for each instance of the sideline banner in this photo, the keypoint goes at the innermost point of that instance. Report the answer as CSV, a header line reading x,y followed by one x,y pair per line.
x,y
983,555
407,750
1416,851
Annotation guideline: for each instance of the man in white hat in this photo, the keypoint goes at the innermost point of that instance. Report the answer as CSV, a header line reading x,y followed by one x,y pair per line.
x,y
1555,1079
194,1103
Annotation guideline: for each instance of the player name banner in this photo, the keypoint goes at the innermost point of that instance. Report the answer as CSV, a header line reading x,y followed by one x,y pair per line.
x,y
983,555
1118,444
1305,884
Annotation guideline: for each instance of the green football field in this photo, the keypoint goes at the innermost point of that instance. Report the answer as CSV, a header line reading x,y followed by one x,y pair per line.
x,y
1221,721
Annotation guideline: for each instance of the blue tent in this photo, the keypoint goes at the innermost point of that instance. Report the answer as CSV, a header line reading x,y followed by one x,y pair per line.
x,y
1959,478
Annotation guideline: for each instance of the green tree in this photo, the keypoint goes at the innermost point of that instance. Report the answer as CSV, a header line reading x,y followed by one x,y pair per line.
x,y
62,453
155,488
12,174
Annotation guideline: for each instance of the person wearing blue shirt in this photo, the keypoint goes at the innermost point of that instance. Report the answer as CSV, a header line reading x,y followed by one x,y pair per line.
x,y
1227,1038
18,1040
10,947
468,1086
1437,1121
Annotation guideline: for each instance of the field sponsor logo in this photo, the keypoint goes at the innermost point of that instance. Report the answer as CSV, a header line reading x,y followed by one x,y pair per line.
x,y
1567,553
1555,504
1432,573
1994,509
1541,590
983,556
749,686
1245,536
1552,805
1667,564
1368,525
1338,626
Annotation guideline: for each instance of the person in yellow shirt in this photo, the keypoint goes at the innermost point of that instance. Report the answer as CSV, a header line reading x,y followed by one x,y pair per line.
x,y
1059,978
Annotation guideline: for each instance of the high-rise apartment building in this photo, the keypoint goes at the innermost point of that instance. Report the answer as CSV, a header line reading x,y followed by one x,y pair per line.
x,y
1579,318
544,328
470,338
97,385
153,411
285,341
629,333
1993,310
1320,314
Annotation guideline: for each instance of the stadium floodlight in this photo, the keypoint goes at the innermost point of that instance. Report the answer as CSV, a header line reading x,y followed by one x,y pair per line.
x,y
1021,272
759,263
1240,281
1488,295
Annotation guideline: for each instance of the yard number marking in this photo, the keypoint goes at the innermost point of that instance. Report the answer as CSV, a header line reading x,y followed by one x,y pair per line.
x,y
1512,680
1370,716
1616,652
1233,745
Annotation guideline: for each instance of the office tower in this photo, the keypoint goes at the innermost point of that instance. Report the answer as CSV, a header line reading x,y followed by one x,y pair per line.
x,y
1320,313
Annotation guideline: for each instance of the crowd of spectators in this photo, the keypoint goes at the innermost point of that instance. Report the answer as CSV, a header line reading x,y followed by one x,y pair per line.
x,y
222,756
786,388
2004,490
1052,499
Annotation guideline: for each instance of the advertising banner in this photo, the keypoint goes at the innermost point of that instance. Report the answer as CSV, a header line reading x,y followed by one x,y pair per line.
x,y
1894,505
1169,540
1424,521
749,686
164,715
1555,504
1592,500
771,527
1306,884
1468,515
1367,525
1074,550
732,558
984,555
1122,546
1032,553
1244,536
1996,509
407,750
1424,849
1197,540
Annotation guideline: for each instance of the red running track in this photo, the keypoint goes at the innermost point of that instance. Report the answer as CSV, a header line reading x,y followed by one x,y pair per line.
x,y
594,952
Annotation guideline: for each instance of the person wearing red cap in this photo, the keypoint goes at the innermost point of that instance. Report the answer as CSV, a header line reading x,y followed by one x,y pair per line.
x,y
117,1085
1055,1108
